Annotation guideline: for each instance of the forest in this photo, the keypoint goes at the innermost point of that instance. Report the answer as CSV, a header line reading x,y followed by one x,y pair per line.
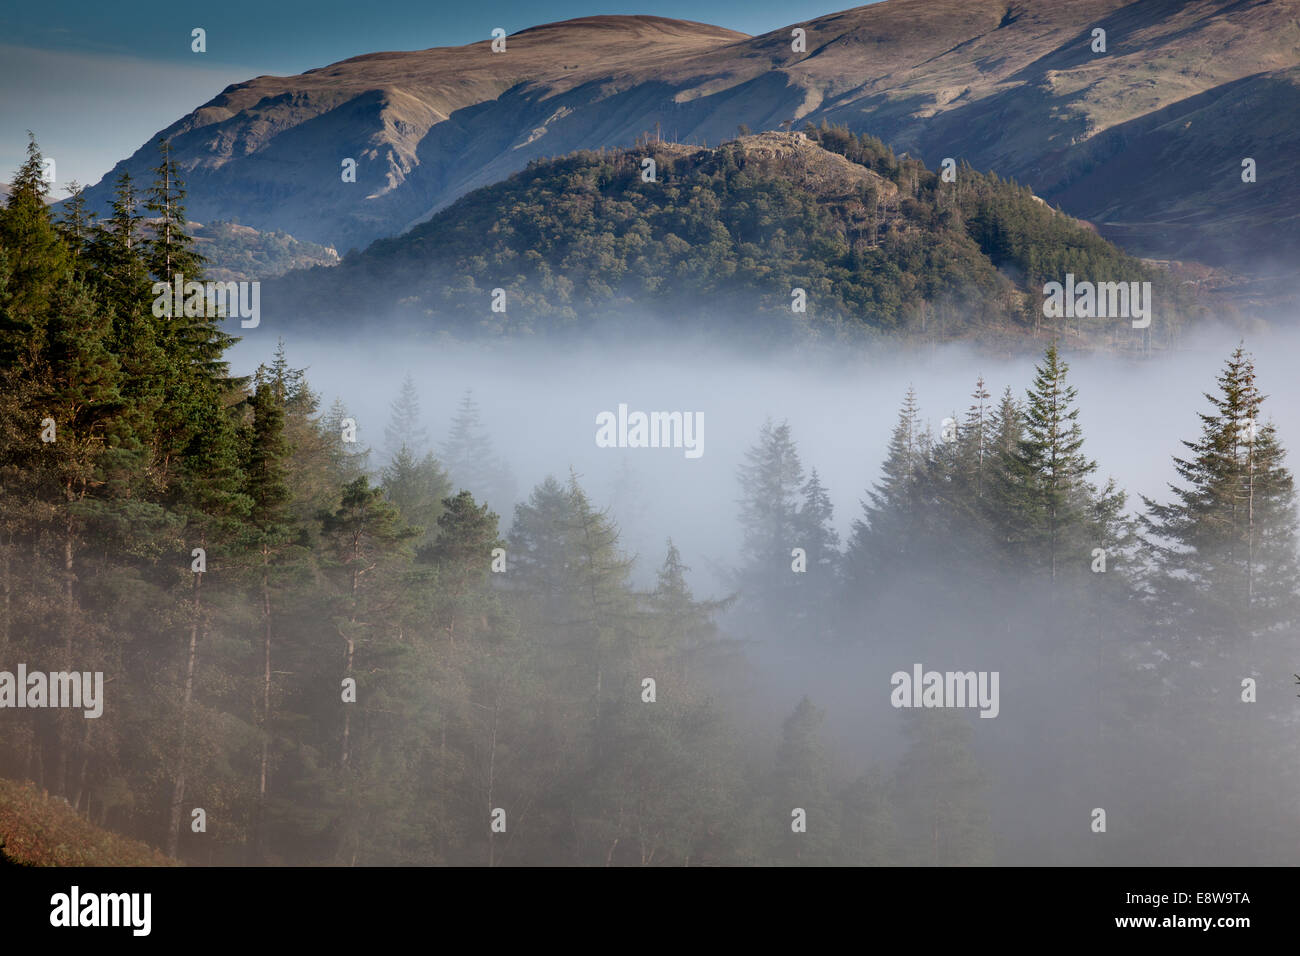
x,y
350,656
718,241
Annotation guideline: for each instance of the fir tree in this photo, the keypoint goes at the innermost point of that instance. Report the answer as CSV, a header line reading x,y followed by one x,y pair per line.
x,y
462,555
36,260
940,792
1055,517
471,460
405,429
881,536
802,781
169,249
771,480
1225,548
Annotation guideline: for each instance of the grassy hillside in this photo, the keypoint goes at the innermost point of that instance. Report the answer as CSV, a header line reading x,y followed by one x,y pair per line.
x,y
37,830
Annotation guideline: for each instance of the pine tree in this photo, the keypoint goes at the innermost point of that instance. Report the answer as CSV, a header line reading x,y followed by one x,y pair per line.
x,y
686,624
940,792
270,536
405,430
366,548
348,460
1054,516
36,260
115,254
771,481
78,224
471,460
816,534
462,555
882,536
1225,548
802,781
169,249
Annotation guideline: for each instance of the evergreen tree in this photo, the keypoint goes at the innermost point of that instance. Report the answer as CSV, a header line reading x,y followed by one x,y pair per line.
x,y
462,555
169,249
365,546
1225,548
686,624
802,781
771,480
882,536
405,429
348,460
1054,517
115,253
815,533
36,262
270,536
940,794
78,224
471,460
417,488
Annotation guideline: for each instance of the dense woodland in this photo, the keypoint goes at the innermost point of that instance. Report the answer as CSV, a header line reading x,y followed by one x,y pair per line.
x,y
719,240
325,562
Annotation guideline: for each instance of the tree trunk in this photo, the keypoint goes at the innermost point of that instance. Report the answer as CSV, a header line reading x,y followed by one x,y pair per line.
x,y
260,837
178,785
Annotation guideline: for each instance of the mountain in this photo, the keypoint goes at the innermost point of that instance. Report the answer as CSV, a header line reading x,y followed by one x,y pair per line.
x,y
1146,139
717,243
234,252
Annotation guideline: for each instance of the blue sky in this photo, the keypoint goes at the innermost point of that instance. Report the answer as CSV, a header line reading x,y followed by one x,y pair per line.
x,y
94,80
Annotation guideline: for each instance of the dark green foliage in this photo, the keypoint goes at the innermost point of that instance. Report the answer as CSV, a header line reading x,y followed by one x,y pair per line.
x,y
720,240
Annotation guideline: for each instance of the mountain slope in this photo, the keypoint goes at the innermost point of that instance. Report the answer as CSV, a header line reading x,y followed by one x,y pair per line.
x,y
718,243
1011,86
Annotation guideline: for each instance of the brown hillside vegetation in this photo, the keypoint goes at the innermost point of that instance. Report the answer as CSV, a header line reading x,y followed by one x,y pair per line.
x,y
39,830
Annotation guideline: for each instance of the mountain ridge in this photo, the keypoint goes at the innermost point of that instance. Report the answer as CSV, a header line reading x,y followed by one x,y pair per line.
x,y
1012,87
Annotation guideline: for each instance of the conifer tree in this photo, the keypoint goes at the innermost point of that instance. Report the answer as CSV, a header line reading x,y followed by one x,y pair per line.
x,y
270,535
802,781
169,248
940,792
816,534
1225,548
771,481
77,224
686,623
405,429
1054,515
462,556
471,459
366,548
36,261
115,253
881,536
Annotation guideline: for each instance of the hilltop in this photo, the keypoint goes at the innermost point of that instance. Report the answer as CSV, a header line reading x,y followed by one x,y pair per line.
x,y
718,243
1145,139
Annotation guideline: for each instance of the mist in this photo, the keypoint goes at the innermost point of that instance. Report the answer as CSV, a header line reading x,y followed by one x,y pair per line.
x,y
540,404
